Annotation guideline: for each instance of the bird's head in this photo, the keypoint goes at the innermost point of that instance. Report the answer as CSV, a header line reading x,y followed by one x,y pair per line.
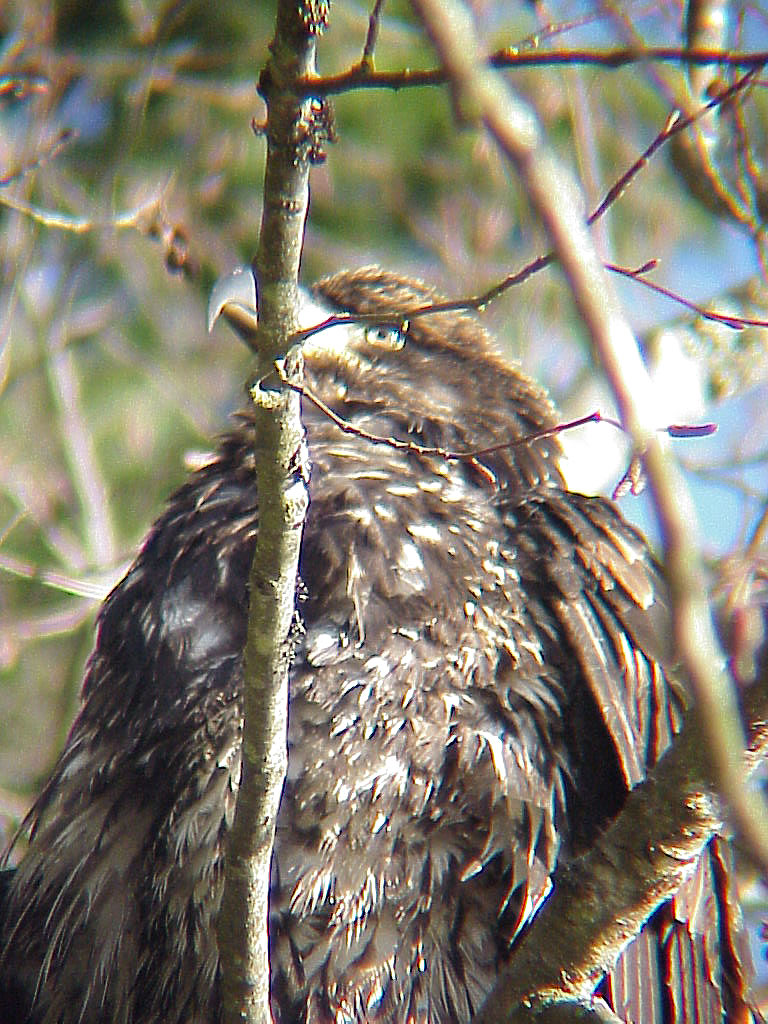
x,y
434,378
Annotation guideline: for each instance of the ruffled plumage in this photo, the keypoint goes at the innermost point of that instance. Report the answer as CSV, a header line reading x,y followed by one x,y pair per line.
x,y
480,680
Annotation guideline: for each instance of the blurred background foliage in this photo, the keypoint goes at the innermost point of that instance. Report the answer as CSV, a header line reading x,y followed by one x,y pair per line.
x,y
130,179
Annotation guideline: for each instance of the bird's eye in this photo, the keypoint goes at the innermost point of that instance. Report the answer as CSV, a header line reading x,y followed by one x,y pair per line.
x,y
385,337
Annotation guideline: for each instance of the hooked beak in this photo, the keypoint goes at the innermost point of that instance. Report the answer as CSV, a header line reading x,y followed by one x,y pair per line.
x,y
234,297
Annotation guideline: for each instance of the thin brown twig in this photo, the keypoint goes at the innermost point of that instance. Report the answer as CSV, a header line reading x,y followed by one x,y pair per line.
x,y
445,453
737,323
554,196
372,35
512,58
673,126
400,320
62,140
670,128
553,29
674,430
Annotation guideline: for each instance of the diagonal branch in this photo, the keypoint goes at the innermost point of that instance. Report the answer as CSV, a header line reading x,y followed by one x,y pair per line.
x,y
674,126
594,909
480,95
677,430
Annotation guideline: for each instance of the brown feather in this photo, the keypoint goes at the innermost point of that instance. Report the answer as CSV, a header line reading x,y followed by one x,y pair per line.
x,y
480,681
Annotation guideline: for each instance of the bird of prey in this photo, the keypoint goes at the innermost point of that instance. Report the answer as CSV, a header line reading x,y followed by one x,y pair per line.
x,y
478,683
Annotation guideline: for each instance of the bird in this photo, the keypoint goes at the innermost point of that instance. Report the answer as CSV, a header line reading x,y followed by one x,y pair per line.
x,y
480,677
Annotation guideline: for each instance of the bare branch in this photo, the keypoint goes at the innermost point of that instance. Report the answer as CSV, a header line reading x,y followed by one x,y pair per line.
x,y
45,156
80,450
478,94
372,36
673,127
511,59
663,827
638,274
282,473
676,430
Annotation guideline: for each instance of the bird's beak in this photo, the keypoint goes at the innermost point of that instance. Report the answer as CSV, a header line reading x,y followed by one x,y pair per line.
x,y
234,297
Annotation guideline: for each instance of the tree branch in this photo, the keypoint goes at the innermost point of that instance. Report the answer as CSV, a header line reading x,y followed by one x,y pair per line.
x,y
282,472
511,59
603,899
478,94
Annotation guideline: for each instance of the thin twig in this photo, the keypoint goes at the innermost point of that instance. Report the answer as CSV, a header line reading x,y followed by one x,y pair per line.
x,y
78,225
480,94
78,443
512,59
445,453
49,153
736,323
372,36
674,430
674,125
